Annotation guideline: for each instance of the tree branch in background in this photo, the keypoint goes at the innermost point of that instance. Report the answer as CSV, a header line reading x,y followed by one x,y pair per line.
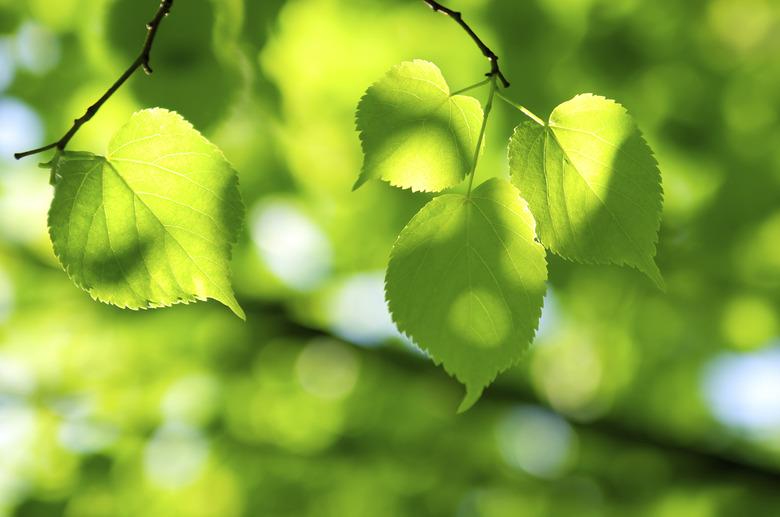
x,y
713,459
142,61
492,57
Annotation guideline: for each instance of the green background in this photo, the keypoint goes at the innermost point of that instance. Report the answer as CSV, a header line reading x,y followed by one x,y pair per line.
x,y
630,402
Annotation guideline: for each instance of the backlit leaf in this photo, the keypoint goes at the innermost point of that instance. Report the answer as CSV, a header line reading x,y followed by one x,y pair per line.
x,y
466,280
152,223
592,184
414,134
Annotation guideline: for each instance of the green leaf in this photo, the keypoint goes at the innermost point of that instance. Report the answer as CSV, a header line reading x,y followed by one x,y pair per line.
x,y
592,184
414,134
152,223
466,280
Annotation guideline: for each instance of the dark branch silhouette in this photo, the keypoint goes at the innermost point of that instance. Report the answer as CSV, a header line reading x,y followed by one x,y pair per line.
x,y
142,61
492,57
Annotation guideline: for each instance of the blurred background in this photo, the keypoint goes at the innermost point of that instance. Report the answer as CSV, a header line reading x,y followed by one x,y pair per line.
x,y
630,402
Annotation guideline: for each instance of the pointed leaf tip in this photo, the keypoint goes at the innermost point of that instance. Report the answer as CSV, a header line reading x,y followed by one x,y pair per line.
x,y
473,395
654,274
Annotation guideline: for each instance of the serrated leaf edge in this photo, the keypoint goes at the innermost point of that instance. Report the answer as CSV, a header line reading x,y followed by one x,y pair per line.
x,y
659,282
237,310
472,395
363,177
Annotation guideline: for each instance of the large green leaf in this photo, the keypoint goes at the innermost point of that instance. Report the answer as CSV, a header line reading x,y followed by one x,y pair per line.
x,y
592,184
414,134
466,280
152,223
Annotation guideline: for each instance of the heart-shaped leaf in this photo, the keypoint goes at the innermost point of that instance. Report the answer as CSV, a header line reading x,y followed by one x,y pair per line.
x,y
466,281
592,184
150,224
414,134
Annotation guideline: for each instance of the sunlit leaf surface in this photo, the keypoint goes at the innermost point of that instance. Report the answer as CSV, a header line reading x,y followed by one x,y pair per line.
x,y
592,184
414,134
150,224
466,280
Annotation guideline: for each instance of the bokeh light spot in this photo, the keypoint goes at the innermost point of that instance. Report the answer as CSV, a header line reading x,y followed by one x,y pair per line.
x,y
175,455
536,441
192,399
18,428
551,319
38,49
743,390
748,322
327,369
20,128
570,374
357,311
291,244
82,435
740,24
16,378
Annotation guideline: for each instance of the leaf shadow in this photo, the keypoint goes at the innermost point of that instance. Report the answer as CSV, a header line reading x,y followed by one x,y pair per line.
x,y
148,266
415,145
627,207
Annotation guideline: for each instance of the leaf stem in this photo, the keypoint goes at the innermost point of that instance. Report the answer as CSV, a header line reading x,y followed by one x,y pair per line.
x,y
142,61
525,111
468,88
488,107
492,57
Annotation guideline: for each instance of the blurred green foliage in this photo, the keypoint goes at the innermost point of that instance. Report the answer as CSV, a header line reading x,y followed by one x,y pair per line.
x,y
631,402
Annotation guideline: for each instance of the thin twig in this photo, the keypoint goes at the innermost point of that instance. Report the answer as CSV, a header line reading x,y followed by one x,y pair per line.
x,y
142,61
525,111
492,57
469,88
488,107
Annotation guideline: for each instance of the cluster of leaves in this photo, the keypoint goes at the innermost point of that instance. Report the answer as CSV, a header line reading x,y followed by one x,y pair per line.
x,y
467,276
152,223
